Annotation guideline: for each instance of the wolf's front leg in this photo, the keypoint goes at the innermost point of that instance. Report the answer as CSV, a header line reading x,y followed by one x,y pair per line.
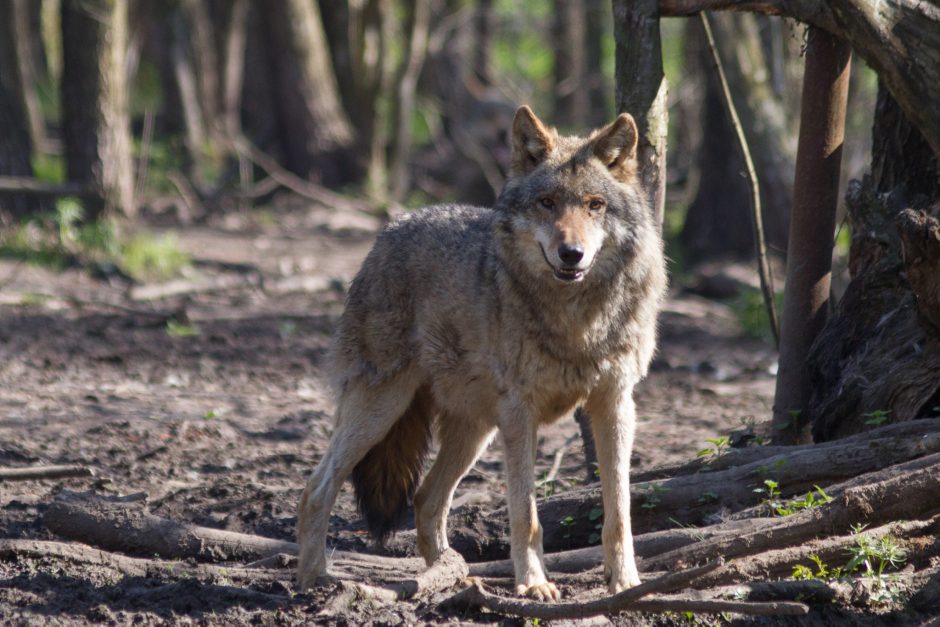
x,y
518,429
613,419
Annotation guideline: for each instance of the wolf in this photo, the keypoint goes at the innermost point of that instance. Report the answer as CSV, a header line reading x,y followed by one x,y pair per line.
x,y
468,321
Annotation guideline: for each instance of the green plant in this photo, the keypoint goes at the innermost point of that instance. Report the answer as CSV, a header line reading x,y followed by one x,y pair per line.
x,y
810,500
181,329
717,449
877,417
771,490
654,494
596,516
707,497
868,556
823,571
874,555
148,257
568,523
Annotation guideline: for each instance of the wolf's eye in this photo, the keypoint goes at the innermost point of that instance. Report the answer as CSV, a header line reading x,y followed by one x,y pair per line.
x,y
596,204
548,203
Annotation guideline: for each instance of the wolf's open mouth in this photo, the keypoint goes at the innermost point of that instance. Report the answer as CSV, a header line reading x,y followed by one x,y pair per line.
x,y
569,275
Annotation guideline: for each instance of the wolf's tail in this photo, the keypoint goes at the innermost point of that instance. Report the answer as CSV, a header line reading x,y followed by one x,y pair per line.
x,y
386,478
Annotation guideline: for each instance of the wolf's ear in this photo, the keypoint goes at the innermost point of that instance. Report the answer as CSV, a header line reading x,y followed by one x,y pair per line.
x,y
615,146
532,142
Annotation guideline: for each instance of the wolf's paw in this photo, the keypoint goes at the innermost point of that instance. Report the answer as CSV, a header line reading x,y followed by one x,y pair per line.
x,y
312,573
540,591
621,583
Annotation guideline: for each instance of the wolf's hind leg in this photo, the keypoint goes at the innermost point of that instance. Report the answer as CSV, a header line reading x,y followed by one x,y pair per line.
x,y
462,441
364,415
612,413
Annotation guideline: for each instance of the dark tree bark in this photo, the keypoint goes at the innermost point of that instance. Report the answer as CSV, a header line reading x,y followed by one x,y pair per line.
x,y
483,27
597,23
314,130
14,139
25,35
569,31
642,90
878,357
718,222
95,120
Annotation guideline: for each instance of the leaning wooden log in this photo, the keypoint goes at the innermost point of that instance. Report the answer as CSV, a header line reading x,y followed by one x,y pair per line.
x,y
692,499
130,528
44,472
906,496
741,456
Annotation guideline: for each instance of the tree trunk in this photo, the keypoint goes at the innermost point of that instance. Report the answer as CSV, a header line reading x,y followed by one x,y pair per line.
x,y
597,19
815,200
406,87
483,27
314,130
642,90
878,321
570,63
96,127
25,37
201,38
14,139
718,222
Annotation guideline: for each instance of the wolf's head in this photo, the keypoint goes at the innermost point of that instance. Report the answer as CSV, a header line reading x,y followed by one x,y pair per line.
x,y
572,205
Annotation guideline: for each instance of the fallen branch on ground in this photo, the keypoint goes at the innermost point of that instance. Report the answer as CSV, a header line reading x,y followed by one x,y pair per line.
x,y
45,472
129,566
833,550
689,499
902,497
631,599
123,527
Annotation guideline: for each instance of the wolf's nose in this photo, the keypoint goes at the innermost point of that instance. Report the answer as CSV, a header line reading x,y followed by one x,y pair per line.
x,y
570,255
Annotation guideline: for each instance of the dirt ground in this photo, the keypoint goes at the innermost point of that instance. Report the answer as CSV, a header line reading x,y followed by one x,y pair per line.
x,y
221,428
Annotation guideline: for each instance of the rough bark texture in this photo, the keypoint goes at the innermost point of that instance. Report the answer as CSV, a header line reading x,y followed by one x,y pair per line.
x,y
14,139
642,90
900,39
877,358
95,119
